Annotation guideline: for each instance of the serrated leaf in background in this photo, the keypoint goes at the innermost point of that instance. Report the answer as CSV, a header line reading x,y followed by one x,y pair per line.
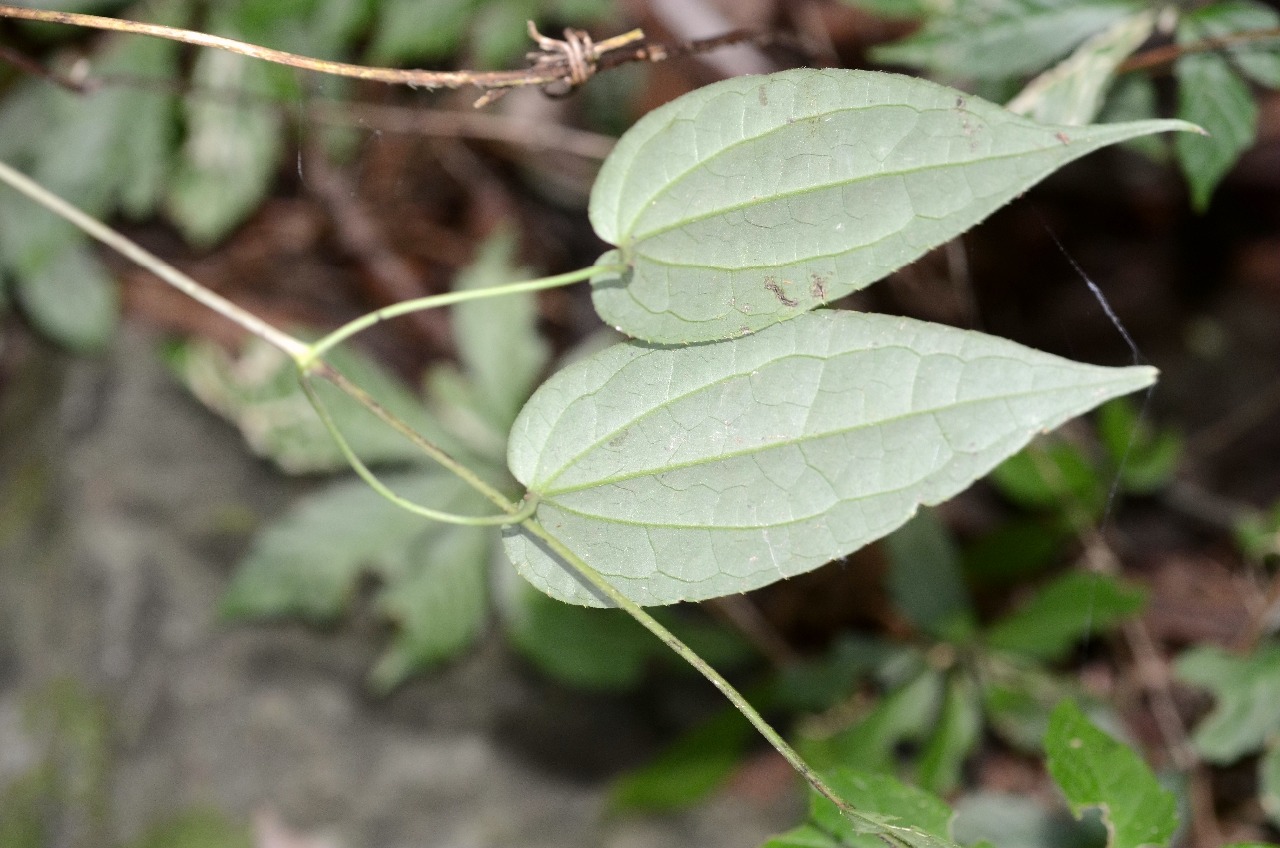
x,y
1072,91
687,473
1071,608
257,389
310,562
1213,95
436,594
1247,689
924,578
1004,38
307,563
752,200
1094,770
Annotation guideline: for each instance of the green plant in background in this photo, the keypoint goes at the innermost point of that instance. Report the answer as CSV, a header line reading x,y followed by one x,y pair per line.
x,y
1094,772
937,694
748,433
1244,721
204,160
1225,47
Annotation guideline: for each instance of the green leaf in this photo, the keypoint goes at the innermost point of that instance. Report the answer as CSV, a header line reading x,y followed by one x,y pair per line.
x,y
688,473
752,200
498,341
594,649
1269,782
310,562
958,731
1145,459
924,578
604,650
1015,550
1211,94
1070,608
1258,59
258,391
818,684
1247,689
907,815
1018,695
230,151
689,770
1001,38
411,29
1072,91
1095,770
71,299
1133,97
1050,475
905,714
436,593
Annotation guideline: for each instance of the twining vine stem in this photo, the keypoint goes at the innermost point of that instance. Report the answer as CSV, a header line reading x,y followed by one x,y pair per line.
x,y
311,365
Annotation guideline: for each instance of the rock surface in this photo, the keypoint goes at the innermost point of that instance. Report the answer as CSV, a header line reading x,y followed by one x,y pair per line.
x,y
126,506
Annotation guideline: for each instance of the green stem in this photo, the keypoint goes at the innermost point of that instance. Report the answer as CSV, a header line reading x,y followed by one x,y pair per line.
x,y
381,488
599,582
297,349
420,304
428,447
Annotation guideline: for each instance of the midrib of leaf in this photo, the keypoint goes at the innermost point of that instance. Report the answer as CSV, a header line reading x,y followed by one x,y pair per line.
x,y
812,189
700,163
547,493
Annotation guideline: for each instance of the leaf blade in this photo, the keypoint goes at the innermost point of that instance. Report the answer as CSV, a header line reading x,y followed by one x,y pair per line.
x,y
752,200
735,464
1095,770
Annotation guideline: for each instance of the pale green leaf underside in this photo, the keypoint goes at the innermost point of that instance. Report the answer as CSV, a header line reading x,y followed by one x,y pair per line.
x,y
689,473
752,200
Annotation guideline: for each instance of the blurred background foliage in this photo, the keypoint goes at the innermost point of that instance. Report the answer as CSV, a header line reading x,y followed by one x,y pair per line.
x,y
956,637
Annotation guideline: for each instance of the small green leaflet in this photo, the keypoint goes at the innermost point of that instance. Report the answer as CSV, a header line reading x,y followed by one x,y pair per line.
x,y
755,199
1095,770
689,473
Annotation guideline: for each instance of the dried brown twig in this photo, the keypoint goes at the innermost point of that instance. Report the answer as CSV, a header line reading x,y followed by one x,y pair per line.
x,y
568,62
557,66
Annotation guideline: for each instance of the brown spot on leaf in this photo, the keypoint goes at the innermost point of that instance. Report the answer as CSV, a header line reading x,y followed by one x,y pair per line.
x,y
762,94
771,284
818,287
